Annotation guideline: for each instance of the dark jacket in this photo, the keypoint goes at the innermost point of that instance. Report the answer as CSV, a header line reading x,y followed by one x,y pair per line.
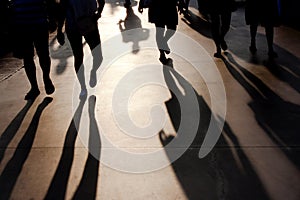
x,y
164,12
29,12
220,6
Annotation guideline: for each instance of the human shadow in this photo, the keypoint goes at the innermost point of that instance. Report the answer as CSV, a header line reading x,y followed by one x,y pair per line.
x,y
87,188
217,176
62,53
14,166
114,4
197,23
12,129
277,117
59,183
132,31
286,67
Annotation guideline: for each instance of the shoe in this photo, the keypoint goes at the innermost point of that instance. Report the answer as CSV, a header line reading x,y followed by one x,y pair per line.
x,y
93,79
49,87
252,49
32,94
224,45
163,60
218,53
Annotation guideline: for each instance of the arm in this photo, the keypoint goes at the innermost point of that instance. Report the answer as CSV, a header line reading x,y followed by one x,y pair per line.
x,y
101,4
141,6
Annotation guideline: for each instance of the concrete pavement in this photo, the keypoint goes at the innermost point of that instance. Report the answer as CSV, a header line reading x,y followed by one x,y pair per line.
x,y
43,143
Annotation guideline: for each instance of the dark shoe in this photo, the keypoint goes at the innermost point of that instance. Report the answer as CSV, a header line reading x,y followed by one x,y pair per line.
x,y
32,94
163,60
252,49
224,45
218,55
49,87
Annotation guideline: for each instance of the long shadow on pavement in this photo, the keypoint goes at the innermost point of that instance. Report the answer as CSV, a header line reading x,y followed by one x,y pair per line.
x,y
88,183
277,117
217,176
14,167
12,129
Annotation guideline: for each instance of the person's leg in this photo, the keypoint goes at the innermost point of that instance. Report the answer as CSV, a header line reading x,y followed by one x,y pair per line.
x,y
270,36
41,40
226,19
171,29
75,40
30,69
94,42
160,32
253,31
215,31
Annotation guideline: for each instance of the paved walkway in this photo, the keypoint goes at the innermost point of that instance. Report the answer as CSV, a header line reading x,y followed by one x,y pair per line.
x,y
43,143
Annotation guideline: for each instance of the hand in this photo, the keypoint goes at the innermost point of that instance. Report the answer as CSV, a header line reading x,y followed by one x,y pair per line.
x,y
141,10
60,38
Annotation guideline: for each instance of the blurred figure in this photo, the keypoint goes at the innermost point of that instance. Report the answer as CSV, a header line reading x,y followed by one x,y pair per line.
x,y
81,21
186,5
220,15
164,15
31,21
132,30
266,13
127,3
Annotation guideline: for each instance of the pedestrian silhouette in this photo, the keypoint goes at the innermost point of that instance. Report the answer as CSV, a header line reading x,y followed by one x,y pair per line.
x,y
81,21
31,21
132,31
164,15
220,15
265,13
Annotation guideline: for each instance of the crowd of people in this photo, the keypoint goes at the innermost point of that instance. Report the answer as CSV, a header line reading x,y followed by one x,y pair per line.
x,y
33,19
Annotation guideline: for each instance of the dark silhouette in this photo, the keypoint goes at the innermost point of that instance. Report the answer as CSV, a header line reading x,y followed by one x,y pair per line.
x,y
279,118
58,186
88,185
127,3
267,14
164,15
11,130
211,177
14,167
31,21
81,21
220,15
133,23
61,54
199,24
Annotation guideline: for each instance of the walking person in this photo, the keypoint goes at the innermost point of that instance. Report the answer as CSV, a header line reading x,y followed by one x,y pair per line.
x,y
220,15
267,14
31,22
81,21
164,15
